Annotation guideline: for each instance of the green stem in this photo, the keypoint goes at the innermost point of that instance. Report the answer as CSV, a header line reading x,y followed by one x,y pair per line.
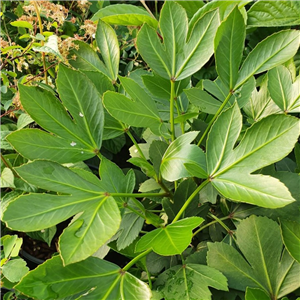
x,y
135,211
147,8
214,118
209,224
189,200
172,96
229,231
8,166
137,258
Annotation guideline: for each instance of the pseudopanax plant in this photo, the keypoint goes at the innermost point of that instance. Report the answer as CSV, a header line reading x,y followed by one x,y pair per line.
x,y
210,207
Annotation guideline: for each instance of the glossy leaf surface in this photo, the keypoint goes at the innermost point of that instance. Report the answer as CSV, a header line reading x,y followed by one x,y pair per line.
x,y
274,13
189,281
264,265
229,45
80,137
80,192
170,240
92,279
179,57
230,167
271,52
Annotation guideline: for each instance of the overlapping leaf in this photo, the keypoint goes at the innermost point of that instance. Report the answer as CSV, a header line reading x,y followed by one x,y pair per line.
x,y
229,46
274,13
230,168
178,57
125,14
139,111
190,281
170,240
81,193
69,139
180,153
271,52
92,279
283,91
263,265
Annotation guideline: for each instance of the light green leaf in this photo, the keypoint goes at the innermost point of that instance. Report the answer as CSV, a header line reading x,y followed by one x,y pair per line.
x,y
274,13
11,245
262,264
283,91
191,7
80,192
256,294
139,111
230,168
229,46
180,152
189,282
271,52
24,120
92,279
125,14
79,137
170,240
261,104
23,24
7,178
45,235
108,44
15,269
291,237
51,47
83,57
179,58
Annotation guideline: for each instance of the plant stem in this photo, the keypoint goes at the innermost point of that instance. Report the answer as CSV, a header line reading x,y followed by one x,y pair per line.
x,y
229,231
135,211
8,166
214,118
210,223
147,8
137,258
41,32
189,200
172,96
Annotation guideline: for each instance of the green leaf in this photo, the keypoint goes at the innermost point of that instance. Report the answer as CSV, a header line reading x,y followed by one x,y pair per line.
x,y
83,57
108,44
256,294
274,13
271,52
22,24
283,91
179,58
191,7
229,46
24,120
261,104
51,47
15,269
139,111
189,282
45,235
81,193
7,178
125,14
180,152
93,279
75,139
170,240
11,245
291,237
262,264
230,168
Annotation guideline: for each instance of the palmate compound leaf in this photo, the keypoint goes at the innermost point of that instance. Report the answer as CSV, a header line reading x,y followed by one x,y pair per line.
x,y
283,91
230,167
80,193
69,139
94,278
189,282
263,265
178,57
170,240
